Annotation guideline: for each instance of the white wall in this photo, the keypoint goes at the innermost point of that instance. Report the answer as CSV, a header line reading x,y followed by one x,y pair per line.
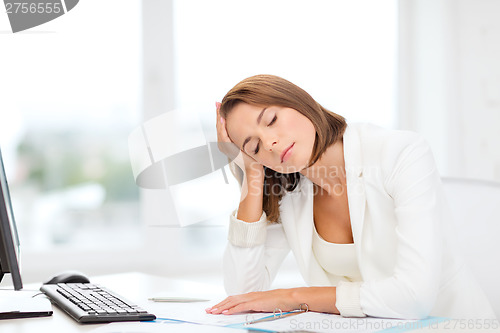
x,y
449,82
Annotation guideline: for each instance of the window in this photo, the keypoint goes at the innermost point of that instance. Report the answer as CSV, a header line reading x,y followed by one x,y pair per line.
x,y
342,52
70,97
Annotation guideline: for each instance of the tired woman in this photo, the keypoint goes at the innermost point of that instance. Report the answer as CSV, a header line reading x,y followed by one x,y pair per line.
x,y
361,208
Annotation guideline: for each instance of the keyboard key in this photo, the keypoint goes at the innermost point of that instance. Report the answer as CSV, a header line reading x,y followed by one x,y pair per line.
x,y
84,307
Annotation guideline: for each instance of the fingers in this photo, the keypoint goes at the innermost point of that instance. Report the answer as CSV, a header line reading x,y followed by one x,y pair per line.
x,y
259,301
224,142
223,131
221,306
239,308
222,135
219,119
235,304
217,113
226,145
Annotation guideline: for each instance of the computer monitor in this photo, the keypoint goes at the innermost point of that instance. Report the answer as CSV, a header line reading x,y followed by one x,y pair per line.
x,y
9,240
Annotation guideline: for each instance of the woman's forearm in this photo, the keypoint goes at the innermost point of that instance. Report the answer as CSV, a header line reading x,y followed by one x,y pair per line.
x,y
250,208
318,299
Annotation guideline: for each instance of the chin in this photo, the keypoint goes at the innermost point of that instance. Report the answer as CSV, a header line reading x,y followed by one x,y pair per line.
x,y
287,169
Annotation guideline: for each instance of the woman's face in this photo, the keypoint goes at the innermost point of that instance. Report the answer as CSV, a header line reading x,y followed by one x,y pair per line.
x,y
279,138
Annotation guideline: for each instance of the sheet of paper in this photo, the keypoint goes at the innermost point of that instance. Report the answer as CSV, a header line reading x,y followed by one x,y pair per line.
x,y
322,322
310,321
23,301
195,313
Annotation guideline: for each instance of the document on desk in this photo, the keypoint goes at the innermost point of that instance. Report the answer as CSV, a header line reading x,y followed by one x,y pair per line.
x,y
323,322
195,313
308,321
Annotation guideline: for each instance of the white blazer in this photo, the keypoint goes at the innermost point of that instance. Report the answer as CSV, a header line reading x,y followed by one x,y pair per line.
x,y
401,230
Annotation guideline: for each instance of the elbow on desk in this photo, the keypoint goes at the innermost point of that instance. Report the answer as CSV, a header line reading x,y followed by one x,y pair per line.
x,y
418,308
400,301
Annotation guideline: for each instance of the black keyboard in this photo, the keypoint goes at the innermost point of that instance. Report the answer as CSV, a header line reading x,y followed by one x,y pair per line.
x,y
90,303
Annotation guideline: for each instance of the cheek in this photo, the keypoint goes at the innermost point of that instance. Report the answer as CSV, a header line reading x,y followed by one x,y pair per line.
x,y
262,160
311,133
307,131
301,130
265,161
298,124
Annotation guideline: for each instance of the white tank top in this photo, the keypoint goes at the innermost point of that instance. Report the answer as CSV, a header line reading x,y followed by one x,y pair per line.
x,y
336,259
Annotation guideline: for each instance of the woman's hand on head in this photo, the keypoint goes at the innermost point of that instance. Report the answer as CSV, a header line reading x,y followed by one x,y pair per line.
x,y
224,143
261,301
227,147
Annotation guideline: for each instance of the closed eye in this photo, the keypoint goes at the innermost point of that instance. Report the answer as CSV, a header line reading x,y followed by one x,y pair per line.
x,y
273,121
256,149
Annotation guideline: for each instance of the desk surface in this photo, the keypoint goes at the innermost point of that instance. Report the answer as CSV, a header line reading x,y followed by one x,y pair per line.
x,y
144,286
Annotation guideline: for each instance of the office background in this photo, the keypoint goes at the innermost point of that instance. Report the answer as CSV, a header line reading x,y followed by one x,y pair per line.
x,y
72,90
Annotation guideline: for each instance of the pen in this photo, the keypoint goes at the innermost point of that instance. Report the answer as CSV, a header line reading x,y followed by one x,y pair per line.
x,y
278,314
177,299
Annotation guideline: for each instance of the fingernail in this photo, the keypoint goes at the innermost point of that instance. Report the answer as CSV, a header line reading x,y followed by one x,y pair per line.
x,y
221,119
225,311
208,309
213,310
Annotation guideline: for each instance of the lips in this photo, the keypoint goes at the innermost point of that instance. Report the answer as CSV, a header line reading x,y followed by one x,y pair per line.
x,y
286,153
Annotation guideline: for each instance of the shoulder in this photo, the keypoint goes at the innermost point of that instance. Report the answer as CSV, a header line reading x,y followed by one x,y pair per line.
x,y
376,142
381,147
377,137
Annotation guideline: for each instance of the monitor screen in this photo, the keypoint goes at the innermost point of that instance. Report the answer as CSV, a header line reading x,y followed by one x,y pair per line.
x,y
9,241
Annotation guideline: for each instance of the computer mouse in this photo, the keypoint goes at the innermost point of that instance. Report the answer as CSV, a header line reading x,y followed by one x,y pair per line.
x,y
68,277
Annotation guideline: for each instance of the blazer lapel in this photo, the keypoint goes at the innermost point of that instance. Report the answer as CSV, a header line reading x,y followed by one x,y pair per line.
x,y
298,222
355,185
297,217
297,212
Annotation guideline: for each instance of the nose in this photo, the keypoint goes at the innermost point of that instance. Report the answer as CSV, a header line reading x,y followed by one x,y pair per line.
x,y
270,143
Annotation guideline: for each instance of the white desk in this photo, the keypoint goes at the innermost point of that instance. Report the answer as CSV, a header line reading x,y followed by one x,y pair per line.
x,y
139,287
136,287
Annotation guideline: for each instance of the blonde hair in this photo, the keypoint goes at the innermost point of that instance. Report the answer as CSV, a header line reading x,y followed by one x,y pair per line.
x,y
270,90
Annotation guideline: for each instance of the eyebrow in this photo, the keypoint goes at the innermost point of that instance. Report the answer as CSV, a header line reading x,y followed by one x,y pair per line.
x,y
259,118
